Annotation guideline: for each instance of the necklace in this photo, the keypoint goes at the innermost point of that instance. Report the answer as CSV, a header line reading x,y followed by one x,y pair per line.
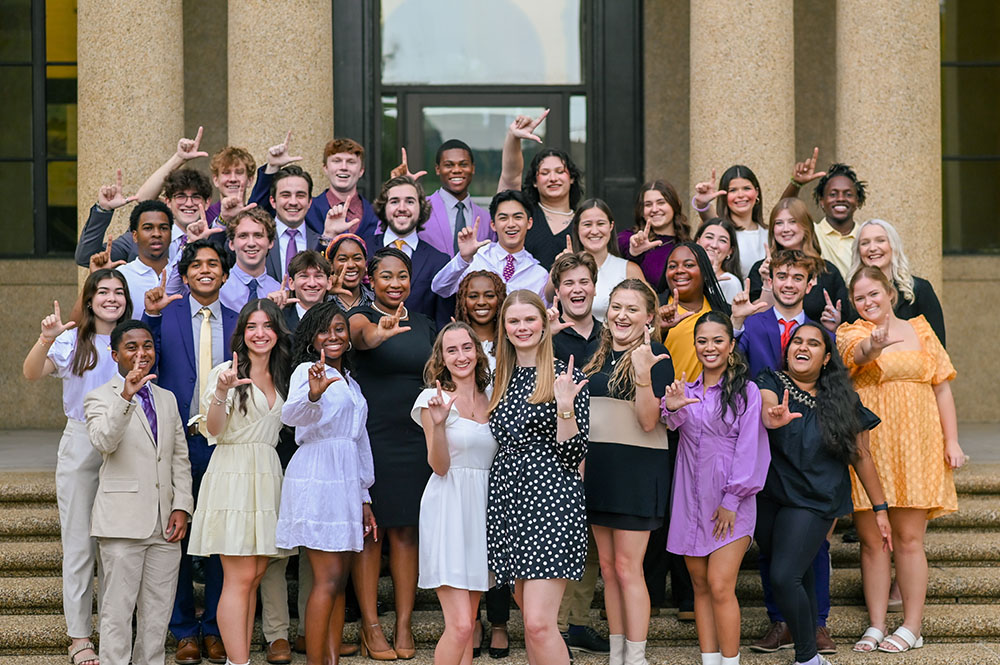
x,y
376,308
353,304
620,355
554,212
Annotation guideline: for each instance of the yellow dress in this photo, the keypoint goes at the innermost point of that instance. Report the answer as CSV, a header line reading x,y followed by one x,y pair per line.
x,y
908,446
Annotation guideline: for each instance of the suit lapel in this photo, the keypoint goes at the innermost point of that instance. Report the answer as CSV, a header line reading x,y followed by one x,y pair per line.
x,y
273,258
773,336
139,412
439,217
182,319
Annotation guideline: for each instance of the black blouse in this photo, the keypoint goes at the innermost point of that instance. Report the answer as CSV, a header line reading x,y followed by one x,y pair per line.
x,y
540,242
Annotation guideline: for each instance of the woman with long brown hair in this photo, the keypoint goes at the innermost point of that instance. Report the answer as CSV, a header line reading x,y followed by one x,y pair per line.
x,y
660,225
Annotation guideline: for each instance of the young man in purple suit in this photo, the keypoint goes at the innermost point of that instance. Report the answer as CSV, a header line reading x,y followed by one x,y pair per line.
x,y
191,334
452,209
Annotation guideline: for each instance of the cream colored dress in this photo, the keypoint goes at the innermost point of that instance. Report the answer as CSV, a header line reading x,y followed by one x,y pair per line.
x,y
237,508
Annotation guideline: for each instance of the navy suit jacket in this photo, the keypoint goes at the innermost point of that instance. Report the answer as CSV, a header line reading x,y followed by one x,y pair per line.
x,y
273,261
760,342
427,261
176,365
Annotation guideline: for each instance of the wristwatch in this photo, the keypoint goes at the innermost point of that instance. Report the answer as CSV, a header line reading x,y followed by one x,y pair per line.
x,y
566,415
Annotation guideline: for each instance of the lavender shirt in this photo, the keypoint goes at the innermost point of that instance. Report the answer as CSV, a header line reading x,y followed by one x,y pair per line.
x,y
720,462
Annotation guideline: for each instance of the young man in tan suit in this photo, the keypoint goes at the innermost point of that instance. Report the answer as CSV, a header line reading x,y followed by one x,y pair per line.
x,y
143,499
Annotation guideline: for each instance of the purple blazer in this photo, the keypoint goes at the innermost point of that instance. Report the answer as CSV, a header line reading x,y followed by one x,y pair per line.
x,y
437,230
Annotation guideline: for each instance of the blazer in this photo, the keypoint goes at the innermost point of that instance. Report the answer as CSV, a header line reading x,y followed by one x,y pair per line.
x,y
427,261
176,365
273,261
437,230
760,342
140,478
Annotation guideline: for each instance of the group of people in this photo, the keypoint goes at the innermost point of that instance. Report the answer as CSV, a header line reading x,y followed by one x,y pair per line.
x,y
515,398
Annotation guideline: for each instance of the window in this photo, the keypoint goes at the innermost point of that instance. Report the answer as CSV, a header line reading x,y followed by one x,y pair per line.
x,y
38,144
970,94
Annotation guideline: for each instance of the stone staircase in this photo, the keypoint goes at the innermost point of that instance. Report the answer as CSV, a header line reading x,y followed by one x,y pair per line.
x,y
961,625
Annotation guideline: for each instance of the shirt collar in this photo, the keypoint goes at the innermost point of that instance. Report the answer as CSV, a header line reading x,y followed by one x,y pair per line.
x,y
450,200
499,254
410,239
175,233
825,228
138,267
242,275
215,308
281,227
799,318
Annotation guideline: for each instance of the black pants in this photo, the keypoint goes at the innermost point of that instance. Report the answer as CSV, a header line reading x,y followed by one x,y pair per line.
x,y
498,605
658,562
791,537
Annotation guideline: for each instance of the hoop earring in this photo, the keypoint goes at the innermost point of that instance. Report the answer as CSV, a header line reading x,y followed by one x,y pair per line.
x,y
350,345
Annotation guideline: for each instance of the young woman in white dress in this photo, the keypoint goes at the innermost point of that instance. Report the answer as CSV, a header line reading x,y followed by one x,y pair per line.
x,y
460,448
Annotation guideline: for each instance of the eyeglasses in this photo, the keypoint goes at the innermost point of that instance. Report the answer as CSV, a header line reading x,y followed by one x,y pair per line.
x,y
194,198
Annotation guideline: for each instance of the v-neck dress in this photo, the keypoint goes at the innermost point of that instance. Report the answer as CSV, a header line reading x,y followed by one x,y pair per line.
x,y
240,492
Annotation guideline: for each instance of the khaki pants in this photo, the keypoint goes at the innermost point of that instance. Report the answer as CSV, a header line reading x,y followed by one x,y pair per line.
x,y
305,588
576,601
274,601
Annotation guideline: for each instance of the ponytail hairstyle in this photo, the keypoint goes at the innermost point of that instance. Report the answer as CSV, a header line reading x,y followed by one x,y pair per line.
x,y
85,352
737,373
279,362
622,379
545,374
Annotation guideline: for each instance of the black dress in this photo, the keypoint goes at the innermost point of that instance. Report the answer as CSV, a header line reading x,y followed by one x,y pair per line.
x,y
391,377
629,487
536,524
814,303
540,241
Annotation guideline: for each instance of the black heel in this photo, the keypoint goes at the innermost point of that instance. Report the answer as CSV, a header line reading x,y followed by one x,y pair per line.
x,y
499,652
478,651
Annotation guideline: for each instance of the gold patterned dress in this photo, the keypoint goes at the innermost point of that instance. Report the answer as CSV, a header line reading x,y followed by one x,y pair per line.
x,y
908,447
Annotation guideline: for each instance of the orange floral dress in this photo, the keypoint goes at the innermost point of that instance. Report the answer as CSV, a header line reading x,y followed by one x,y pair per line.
x,y
908,446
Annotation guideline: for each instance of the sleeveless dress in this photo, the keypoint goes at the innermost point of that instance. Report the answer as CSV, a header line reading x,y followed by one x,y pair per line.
x,y
453,507
908,447
612,272
240,492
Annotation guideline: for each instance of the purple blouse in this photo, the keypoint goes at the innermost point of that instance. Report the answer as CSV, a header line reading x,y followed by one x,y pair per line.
x,y
653,262
720,462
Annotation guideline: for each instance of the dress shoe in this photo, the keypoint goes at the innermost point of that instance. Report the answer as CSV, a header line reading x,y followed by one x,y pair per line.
x,y
404,653
824,643
777,637
214,649
300,644
188,651
500,652
387,654
585,638
279,652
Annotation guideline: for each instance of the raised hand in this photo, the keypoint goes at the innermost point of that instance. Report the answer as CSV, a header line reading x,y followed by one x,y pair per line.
x,y
102,259
706,192
113,196
278,155
468,244
674,398
199,228
336,220
743,308
231,206
318,380
53,326
642,241
805,171
669,315
568,250
831,316
388,326
779,415
566,388
156,298
524,126
282,297
229,379
187,149
135,380
880,338
336,285
439,407
643,359
556,325
404,169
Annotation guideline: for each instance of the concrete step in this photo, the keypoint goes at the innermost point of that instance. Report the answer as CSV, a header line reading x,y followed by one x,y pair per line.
x,y
28,522
22,486
944,547
978,478
33,558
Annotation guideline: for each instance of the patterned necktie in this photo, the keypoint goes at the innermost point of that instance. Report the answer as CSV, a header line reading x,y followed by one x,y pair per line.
x,y
459,222
204,354
398,242
508,269
146,400
252,290
291,249
786,334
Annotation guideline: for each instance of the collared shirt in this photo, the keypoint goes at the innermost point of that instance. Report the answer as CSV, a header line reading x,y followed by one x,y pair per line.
x,y
528,273
836,247
451,208
236,290
799,318
568,342
356,209
75,388
281,240
140,278
410,241
215,321
175,241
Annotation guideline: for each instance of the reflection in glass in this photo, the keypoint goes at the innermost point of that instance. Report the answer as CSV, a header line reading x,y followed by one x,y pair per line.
x,y
15,30
60,31
60,110
971,199
16,235
484,129
390,137
442,42
61,212
578,131
15,112
965,34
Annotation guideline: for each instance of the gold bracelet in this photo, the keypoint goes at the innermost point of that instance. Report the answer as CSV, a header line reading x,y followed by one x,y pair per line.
x,y
44,341
644,385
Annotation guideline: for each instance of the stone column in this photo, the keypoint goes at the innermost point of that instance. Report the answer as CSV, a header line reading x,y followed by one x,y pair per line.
x,y
281,78
743,91
130,93
889,117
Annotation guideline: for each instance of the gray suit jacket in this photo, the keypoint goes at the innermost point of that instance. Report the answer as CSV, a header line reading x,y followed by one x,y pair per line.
x,y
273,262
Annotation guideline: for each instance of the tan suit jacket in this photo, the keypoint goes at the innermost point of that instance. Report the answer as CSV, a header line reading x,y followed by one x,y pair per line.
x,y
139,479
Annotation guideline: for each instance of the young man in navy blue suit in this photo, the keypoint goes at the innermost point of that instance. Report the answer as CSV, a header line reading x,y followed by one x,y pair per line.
x,y
191,333
402,210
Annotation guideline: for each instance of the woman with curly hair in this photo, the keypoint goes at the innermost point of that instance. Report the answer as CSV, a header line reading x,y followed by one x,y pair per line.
x,y
480,297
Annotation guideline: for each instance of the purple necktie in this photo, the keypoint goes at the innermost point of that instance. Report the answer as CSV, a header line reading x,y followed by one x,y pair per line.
x,y
146,400
291,249
508,270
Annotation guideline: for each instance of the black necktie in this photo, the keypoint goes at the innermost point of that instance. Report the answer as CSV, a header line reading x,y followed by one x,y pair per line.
x,y
459,221
252,290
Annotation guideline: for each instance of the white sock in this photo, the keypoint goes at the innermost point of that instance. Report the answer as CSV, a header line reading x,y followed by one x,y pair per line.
x,y
735,660
617,655
229,662
635,653
815,660
711,658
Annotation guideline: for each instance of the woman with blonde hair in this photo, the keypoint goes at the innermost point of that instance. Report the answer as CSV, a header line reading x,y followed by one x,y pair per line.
x,y
537,525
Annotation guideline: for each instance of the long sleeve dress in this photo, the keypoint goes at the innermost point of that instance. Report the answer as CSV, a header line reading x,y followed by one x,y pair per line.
x,y
536,517
240,492
720,462
328,477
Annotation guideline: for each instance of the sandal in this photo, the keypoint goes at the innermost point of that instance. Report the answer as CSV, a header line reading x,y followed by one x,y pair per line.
x,y
901,640
870,641
75,651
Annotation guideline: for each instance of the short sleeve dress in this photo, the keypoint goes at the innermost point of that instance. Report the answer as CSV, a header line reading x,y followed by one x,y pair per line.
x,y
453,508
391,377
536,518
240,493
908,447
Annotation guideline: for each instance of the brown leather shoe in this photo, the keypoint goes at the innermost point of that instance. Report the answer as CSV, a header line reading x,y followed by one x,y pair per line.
x,y
824,643
279,652
300,644
215,651
349,650
777,637
188,651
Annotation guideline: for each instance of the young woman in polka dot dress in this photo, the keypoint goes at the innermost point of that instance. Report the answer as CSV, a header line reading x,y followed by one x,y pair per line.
x,y
536,519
